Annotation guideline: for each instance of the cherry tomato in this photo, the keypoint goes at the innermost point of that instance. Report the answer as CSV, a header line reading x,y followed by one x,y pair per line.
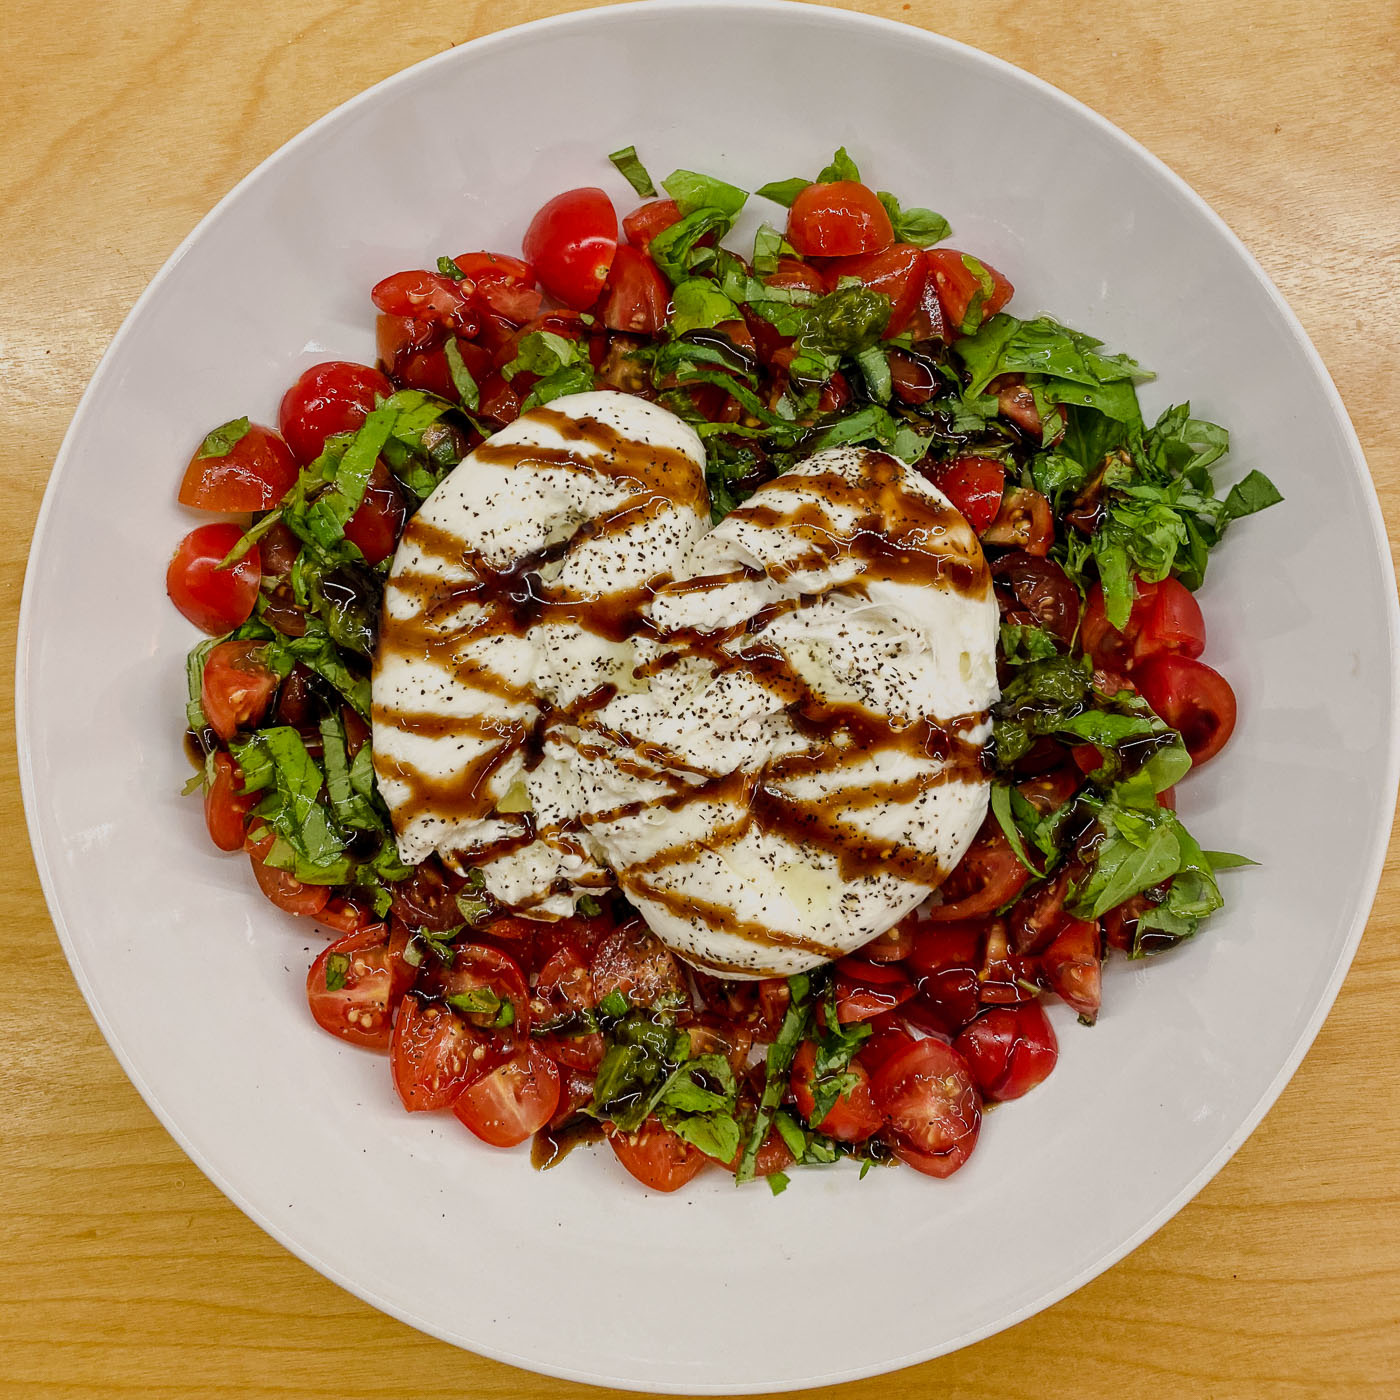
x,y
254,474
499,401
226,806
427,296
713,1035
888,1037
398,338
344,916
433,1054
773,1156
963,291
974,486
1192,698
512,1101
427,900
838,220
866,989
659,1159
646,221
1165,617
279,549
282,887
944,962
565,988
355,985
214,599
333,397
485,977
378,521
893,944
633,961
987,877
505,286
916,381
927,1095
1041,588
236,688
1024,521
1037,916
638,296
899,272
1004,977
1073,968
853,1117
1009,1049
571,243
793,272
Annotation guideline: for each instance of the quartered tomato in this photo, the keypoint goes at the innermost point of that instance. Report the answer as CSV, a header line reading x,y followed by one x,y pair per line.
x,y
945,962
1192,698
1165,617
645,222
433,1054
637,296
427,296
254,474
659,1159
899,272
344,915
215,599
1073,968
1025,521
378,521
282,887
888,1038
793,272
1009,1049
333,397
933,1115
509,1103
571,243
974,486
969,290
505,286
838,220
1040,588
357,982
988,876
236,687
853,1117
565,990
867,989
226,806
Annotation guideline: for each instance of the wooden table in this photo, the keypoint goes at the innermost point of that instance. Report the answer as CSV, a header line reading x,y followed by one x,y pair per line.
x,y
122,1270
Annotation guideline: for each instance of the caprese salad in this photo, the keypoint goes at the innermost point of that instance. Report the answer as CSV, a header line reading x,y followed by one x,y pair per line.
x,y
712,699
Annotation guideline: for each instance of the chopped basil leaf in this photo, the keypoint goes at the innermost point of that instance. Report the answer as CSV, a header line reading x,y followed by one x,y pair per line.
x,y
337,971
224,438
777,1182
875,369
474,911
674,250
614,1004
1227,860
462,380
1021,644
768,247
842,167
782,191
780,1057
693,192
588,906
697,304
921,227
633,171
353,810
448,268
1256,492
194,680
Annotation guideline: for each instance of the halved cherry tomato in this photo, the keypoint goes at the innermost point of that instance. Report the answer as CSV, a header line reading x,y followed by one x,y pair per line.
x,y
254,474
481,983
927,1095
1037,916
355,985
899,272
427,296
1024,521
969,290
282,887
1009,1049
565,988
333,397
773,1156
214,599
945,961
1016,402
646,221
499,401
1165,617
633,961
987,877
793,272
974,486
714,1035
657,1157
888,1038
398,338
1193,698
1073,968
226,806
236,687
512,1101
853,1117
571,243
433,1054
505,286
838,220
637,296
866,989
1042,589
378,520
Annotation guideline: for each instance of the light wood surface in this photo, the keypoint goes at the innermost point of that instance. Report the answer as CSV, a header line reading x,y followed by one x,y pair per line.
x,y
123,1272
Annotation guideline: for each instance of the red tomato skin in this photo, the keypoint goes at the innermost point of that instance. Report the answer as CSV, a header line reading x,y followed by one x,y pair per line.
x,y
646,221
284,889
974,485
888,1038
899,272
565,985
571,243
633,961
512,1101
838,220
893,945
868,989
226,808
928,1097
344,916
638,296
659,1159
376,980
255,473
216,600
999,877
1009,1049
505,286
1165,617
793,272
433,1055
853,1117
333,397
1073,968
477,965
1193,698
957,285
378,521
427,296
944,962
399,338
236,687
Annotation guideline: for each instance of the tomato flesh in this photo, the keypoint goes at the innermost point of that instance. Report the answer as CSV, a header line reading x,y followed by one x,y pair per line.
x,y
215,599
571,243
974,485
236,687
1025,521
254,474
1165,618
931,1106
988,876
356,983
963,291
659,1159
1073,968
1009,1049
1193,698
853,1117
282,887
433,1055
226,806
646,221
838,220
867,989
378,521
638,296
633,961
513,1100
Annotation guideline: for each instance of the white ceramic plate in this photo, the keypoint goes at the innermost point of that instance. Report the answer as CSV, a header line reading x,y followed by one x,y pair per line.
x,y
198,983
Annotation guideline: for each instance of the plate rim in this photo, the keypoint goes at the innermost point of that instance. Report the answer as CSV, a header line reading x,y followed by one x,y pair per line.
x,y
799,13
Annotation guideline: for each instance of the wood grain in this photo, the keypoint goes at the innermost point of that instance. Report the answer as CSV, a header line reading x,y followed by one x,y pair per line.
x,y
122,1271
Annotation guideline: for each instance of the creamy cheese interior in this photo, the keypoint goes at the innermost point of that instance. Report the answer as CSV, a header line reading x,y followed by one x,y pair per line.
x,y
768,734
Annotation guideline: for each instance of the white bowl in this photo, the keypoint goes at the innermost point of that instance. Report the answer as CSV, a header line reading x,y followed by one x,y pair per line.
x,y
198,983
